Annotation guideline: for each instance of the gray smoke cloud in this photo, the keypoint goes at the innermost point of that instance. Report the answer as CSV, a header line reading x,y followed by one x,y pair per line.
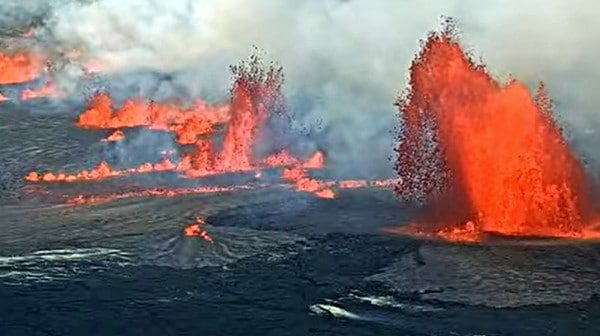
x,y
345,61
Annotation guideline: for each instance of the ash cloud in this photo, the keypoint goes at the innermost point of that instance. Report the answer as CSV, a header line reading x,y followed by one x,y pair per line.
x,y
345,61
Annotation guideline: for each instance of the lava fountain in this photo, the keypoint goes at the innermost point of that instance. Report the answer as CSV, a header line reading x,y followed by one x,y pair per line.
x,y
19,68
484,157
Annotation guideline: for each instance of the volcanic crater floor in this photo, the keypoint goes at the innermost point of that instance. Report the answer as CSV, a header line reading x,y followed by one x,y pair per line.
x,y
282,262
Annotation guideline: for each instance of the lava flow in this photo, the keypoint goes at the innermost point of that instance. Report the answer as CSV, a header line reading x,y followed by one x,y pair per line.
x,y
196,230
296,173
485,158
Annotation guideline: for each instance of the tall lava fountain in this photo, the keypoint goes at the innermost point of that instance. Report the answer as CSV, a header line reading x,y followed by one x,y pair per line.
x,y
484,157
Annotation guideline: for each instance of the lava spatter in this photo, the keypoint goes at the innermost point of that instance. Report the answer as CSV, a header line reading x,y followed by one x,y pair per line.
x,y
255,95
484,157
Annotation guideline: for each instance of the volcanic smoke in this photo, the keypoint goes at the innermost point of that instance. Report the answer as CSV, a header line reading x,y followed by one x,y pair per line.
x,y
484,157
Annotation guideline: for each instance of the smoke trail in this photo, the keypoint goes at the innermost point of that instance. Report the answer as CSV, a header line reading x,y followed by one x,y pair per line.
x,y
344,60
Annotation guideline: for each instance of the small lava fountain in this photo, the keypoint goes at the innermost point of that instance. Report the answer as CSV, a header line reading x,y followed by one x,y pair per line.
x,y
484,158
19,68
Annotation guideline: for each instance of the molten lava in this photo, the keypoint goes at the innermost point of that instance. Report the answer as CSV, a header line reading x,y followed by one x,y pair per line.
x,y
315,161
196,230
187,124
255,95
117,135
282,158
484,157
19,68
103,170
154,192
302,182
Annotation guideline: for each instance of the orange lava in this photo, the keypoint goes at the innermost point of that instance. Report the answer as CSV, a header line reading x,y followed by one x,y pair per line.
x,y
188,124
195,230
485,158
282,158
255,94
103,170
48,90
353,184
19,68
117,135
155,192
100,172
302,182
173,192
315,161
